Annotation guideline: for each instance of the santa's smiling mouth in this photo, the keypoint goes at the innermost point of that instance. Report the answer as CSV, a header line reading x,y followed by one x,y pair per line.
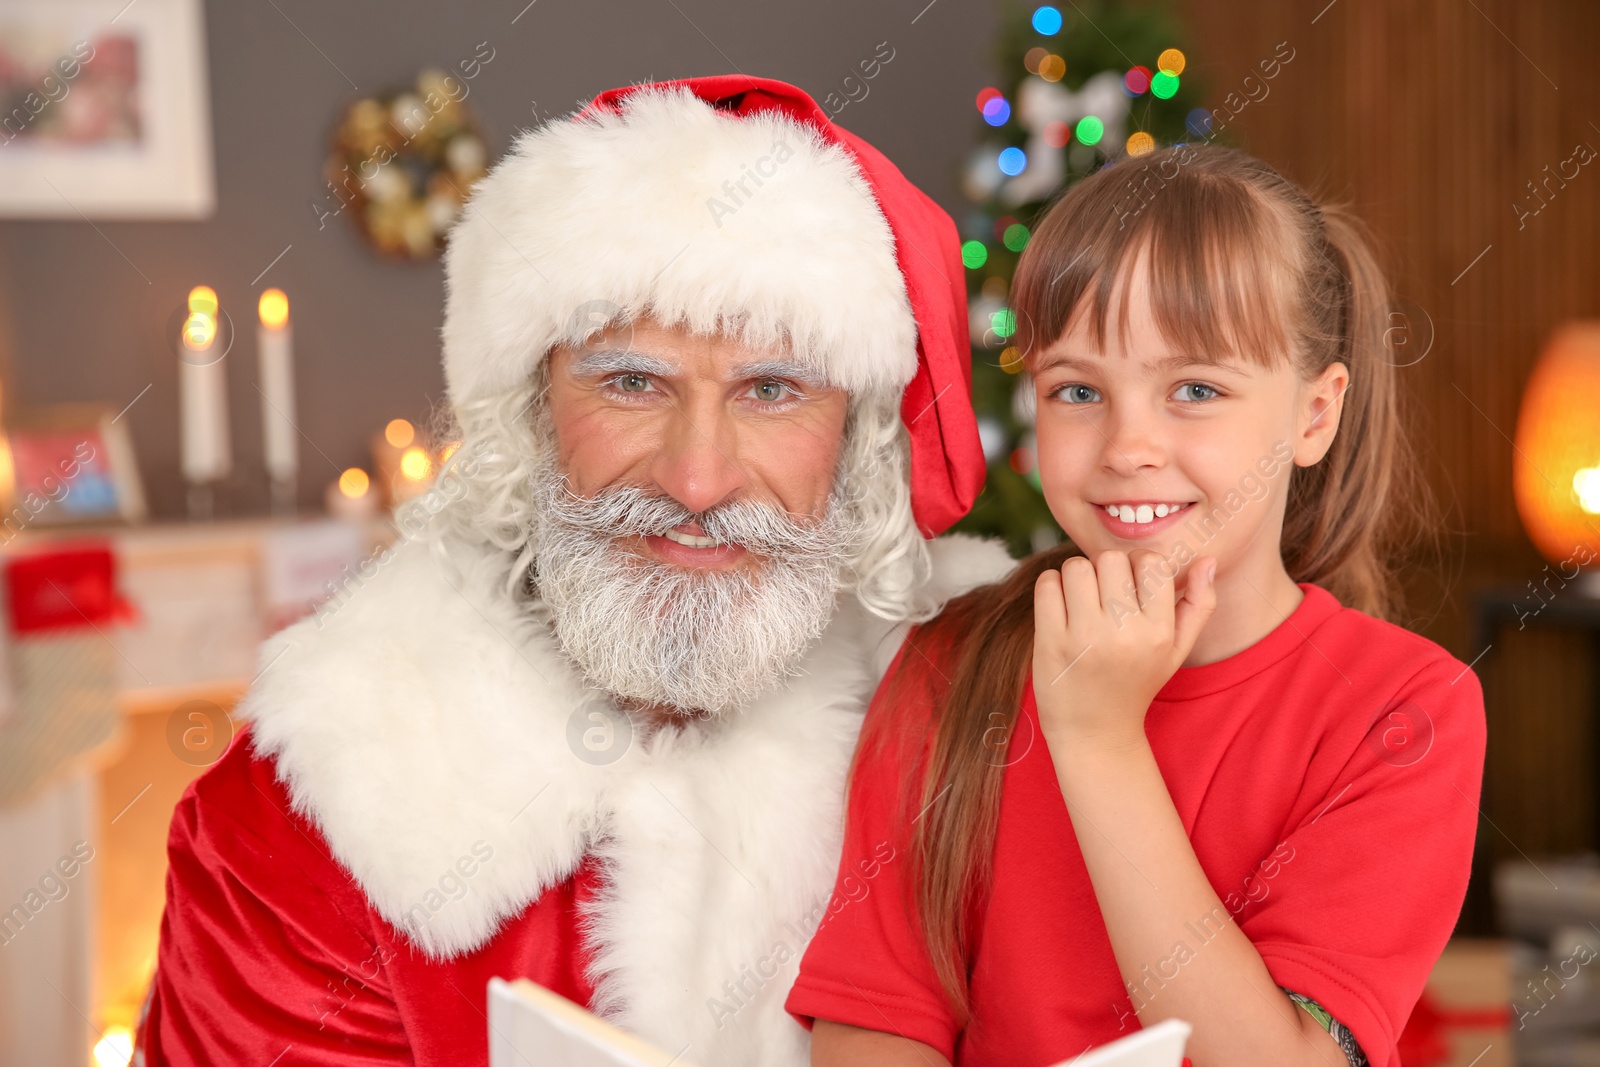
x,y
688,546
691,540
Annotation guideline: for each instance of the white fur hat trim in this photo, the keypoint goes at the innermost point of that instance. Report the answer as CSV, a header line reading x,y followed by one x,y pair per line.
x,y
750,226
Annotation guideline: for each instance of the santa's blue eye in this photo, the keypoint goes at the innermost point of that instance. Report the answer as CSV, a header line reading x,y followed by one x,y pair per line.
x,y
771,391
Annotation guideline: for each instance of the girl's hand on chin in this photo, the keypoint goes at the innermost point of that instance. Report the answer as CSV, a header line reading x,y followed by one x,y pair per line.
x,y
1104,646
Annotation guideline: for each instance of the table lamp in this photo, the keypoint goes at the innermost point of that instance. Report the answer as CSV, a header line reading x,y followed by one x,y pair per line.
x,y
1556,463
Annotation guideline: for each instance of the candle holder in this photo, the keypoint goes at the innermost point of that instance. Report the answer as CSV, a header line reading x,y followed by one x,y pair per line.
x,y
284,500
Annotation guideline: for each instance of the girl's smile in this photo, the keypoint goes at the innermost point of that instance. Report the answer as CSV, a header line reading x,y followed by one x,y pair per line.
x,y
1138,519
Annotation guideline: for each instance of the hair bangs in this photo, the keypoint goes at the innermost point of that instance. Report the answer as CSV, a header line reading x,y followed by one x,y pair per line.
x,y
1212,253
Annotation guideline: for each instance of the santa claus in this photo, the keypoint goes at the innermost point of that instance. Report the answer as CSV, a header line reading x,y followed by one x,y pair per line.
x,y
588,722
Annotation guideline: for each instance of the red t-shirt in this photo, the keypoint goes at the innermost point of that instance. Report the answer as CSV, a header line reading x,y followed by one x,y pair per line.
x,y
1328,778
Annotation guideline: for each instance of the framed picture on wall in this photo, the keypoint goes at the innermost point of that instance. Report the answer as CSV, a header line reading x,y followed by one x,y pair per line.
x,y
66,465
104,110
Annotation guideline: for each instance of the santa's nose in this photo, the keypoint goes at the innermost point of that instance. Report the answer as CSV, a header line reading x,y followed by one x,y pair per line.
x,y
694,468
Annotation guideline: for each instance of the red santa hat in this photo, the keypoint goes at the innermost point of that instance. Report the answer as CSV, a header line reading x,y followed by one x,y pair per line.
x,y
724,204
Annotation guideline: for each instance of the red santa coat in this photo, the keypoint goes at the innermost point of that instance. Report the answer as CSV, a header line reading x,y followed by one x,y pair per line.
x,y
413,810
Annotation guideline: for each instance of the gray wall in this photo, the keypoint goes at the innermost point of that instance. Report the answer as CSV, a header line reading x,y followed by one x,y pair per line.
x,y
79,323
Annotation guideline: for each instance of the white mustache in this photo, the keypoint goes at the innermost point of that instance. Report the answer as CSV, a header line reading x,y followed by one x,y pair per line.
x,y
763,528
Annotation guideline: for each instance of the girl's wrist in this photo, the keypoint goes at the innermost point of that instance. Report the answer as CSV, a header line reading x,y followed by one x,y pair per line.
x,y
1071,745
1092,770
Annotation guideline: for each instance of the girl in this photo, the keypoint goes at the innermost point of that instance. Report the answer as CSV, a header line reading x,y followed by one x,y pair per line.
x,y
1180,768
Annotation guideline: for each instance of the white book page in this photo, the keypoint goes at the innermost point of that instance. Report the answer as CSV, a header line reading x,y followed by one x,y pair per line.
x,y
529,1026
1160,1045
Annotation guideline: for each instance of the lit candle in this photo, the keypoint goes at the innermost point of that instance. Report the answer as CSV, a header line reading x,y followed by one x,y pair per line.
x,y
352,497
389,447
415,474
203,392
274,344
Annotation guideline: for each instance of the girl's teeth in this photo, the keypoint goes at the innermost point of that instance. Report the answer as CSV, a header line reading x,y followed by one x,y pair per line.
x,y
1143,513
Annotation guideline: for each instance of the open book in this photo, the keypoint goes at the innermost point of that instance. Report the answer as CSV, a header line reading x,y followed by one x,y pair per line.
x,y
529,1026
1160,1045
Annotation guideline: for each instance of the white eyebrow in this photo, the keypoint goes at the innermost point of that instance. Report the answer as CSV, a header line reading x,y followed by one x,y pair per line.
x,y
616,361
780,368
620,361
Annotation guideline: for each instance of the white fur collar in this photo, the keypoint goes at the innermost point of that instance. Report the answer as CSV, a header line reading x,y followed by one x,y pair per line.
x,y
427,718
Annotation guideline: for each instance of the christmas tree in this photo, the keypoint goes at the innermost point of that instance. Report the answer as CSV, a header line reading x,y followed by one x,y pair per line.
x,y
1081,88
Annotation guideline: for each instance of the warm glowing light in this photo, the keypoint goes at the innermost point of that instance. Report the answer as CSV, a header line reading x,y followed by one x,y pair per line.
x,y
447,451
8,471
1555,466
1033,59
354,482
1141,143
415,464
274,309
199,330
1011,359
115,1049
1052,68
1586,483
203,300
399,433
1172,61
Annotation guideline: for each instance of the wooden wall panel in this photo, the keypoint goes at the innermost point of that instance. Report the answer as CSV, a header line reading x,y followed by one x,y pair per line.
x,y
1431,121
1431,117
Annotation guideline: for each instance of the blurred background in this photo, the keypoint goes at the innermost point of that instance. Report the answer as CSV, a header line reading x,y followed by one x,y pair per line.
x,y
220,297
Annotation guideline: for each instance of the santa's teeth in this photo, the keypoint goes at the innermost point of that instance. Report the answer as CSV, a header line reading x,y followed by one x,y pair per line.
x,y
690,539
1161,511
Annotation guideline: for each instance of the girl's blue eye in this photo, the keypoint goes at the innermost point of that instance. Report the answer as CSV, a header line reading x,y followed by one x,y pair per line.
x,y
1196,391
1077,394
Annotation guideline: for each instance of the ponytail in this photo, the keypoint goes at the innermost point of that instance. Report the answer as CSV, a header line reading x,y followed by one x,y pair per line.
x,y
1341,526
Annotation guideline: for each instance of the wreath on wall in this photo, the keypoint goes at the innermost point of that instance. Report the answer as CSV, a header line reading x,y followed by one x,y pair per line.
x,y
403,163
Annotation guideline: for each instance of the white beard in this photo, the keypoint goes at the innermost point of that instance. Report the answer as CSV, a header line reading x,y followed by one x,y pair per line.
x,y
695,640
